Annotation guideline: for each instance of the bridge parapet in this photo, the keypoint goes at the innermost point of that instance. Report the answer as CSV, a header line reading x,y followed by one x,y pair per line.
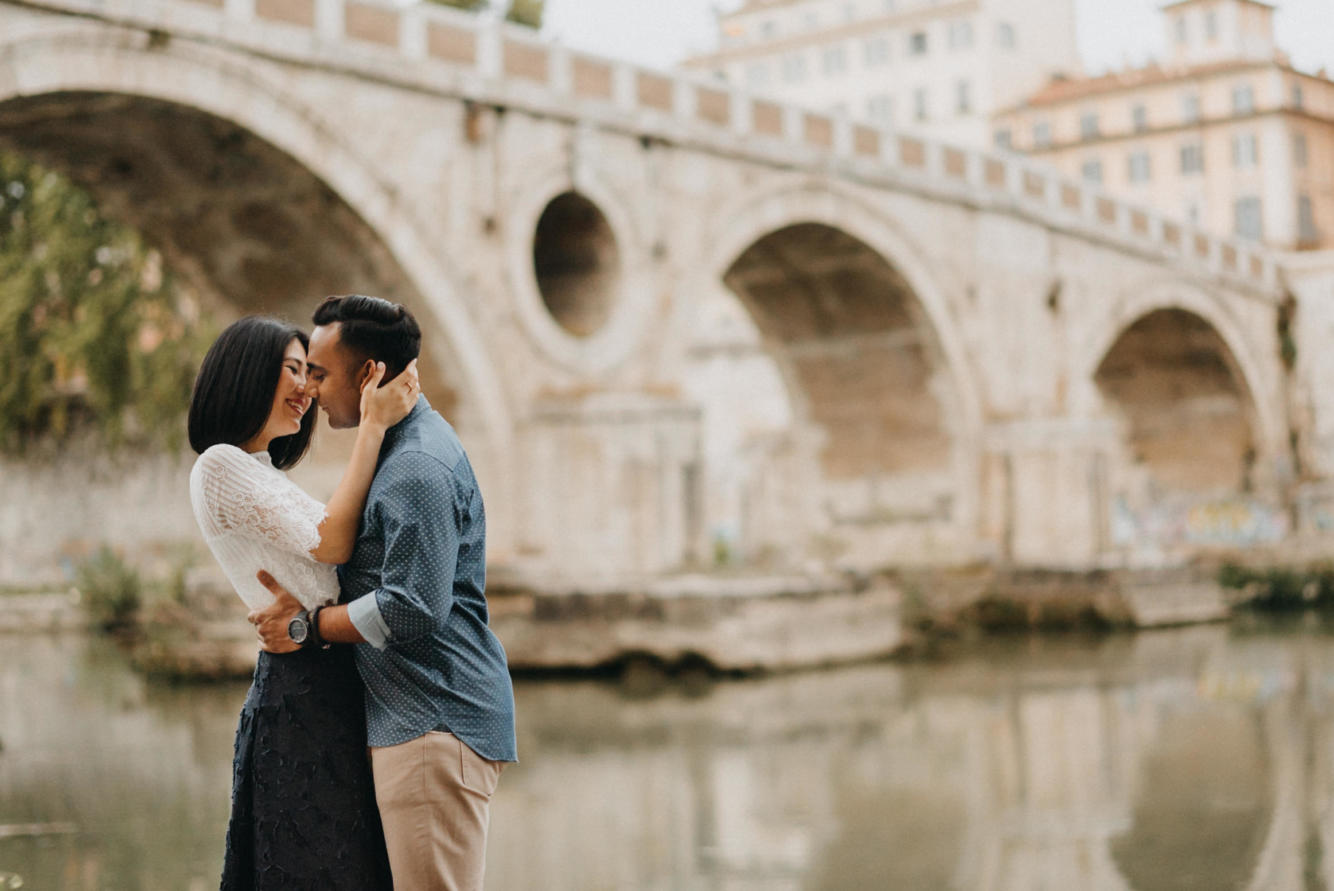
x,y
437,48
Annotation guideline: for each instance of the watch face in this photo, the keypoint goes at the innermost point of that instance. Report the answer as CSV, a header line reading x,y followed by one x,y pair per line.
x,y
296,629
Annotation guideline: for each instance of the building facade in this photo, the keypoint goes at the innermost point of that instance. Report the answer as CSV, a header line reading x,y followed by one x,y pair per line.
x,y
1225,135
941,67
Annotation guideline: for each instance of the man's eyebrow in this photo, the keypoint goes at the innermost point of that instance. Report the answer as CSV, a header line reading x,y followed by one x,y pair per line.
x,y
311,366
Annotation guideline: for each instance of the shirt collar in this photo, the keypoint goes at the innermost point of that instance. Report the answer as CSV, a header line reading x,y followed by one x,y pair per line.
x,y
421,408
263,457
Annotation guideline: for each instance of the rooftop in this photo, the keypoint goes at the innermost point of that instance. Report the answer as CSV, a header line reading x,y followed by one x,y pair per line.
x,y
1070,89
1173,4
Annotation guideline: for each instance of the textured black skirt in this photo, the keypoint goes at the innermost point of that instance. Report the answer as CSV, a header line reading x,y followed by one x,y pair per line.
x,y
303,806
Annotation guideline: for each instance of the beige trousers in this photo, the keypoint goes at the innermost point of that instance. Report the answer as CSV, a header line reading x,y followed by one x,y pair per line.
x,y
434,795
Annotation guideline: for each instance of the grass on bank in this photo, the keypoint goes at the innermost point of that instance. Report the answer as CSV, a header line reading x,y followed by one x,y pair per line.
x,y
1280,589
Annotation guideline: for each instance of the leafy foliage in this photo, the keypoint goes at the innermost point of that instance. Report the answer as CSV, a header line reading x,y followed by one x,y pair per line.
x,y
521,12
527,13
466,5
100,336
110,590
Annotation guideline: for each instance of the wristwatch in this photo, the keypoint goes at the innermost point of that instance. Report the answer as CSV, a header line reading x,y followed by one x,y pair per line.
x,y
298,629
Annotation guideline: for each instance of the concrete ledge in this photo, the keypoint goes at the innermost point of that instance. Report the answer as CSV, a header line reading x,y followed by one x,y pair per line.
x,y
54,611
732,624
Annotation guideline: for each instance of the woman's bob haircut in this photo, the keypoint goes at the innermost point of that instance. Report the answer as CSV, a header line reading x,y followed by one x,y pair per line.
x,y
234,389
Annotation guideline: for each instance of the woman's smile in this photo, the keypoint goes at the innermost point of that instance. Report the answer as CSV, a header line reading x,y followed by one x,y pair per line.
x,y
298,404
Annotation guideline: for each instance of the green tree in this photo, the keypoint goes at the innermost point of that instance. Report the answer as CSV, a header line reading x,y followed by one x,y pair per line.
x,y
521,12
466,5
97,334
527,12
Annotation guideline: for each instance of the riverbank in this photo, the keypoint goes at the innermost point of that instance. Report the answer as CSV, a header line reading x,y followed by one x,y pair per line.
x,y
734,623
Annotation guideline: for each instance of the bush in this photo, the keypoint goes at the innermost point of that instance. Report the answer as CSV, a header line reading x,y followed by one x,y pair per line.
x,y
1276,589
110,590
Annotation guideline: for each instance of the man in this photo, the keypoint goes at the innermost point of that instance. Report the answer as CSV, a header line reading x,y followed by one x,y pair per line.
x,y
439,703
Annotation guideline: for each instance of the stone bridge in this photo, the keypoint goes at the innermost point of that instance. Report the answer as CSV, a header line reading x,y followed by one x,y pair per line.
x,y
966,357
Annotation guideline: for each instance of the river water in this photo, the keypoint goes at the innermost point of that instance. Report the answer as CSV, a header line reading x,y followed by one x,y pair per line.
x,y
1182,759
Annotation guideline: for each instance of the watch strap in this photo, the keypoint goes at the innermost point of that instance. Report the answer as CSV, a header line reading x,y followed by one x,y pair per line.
x,y
314,636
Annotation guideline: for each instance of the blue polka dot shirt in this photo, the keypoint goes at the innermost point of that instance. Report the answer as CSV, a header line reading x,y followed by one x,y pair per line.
x,y
415,589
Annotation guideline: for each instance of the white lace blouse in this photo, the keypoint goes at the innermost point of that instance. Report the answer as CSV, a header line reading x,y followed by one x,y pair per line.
x,y
253,517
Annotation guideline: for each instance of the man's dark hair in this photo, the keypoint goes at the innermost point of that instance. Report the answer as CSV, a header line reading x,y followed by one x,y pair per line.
x,y
234,389
375,329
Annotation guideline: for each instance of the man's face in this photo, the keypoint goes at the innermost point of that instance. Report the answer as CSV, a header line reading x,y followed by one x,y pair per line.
x,y
334,377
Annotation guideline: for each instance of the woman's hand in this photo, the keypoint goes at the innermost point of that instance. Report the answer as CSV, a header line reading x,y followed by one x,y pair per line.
x,y
385,406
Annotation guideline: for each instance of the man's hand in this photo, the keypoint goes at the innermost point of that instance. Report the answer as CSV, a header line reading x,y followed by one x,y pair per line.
x,y
271,622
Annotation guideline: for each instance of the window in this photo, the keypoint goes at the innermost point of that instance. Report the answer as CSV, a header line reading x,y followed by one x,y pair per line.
x,y
1092,171
961,35
1003,138
1245,150
1298,100
1211,26
880,108
1088,125
1190,107
963,97
1299,149
919,103
849,12
769,29
890,5
1005,36
812,21
1139,116
794,69
1193,213
1306,230
1138,167
1192,158
1182,34
1243,99
1041,134
917,43
757,74
876,51
835,59
1248,223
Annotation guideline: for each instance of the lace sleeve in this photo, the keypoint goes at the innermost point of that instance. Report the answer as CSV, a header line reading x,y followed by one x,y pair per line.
x,y
241,495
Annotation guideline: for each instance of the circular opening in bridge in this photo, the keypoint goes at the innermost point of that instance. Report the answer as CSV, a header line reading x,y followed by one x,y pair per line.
x,y
577,263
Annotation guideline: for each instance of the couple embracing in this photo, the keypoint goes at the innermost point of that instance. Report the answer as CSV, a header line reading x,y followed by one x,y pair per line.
x,y
381,713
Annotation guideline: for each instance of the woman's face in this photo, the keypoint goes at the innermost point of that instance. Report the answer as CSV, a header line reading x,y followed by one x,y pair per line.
x,y
290,401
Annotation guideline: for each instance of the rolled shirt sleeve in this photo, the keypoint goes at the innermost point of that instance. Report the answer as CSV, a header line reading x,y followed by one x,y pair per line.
x,y
364,614
421,544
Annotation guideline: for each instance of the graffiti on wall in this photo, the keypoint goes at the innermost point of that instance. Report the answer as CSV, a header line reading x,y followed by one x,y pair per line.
x,y
1235,521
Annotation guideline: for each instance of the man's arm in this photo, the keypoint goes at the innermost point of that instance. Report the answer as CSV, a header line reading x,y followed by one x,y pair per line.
x,y
420,519
271,622
421,534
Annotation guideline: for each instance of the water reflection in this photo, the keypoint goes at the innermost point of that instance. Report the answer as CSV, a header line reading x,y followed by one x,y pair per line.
x,y
1198,758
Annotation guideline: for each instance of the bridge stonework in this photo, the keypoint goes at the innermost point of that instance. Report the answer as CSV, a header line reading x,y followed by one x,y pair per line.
x,y
978,360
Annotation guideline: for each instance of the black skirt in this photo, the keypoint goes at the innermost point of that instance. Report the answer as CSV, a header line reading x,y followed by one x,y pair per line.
x,y
303,806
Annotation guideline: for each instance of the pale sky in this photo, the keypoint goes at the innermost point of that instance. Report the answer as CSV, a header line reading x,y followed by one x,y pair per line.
x,y
660,33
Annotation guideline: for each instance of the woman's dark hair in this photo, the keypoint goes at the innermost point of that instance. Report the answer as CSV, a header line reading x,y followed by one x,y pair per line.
x,y
235,386
375,329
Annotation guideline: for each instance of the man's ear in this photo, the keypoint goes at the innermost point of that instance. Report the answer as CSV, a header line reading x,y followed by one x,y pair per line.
x,y
364,372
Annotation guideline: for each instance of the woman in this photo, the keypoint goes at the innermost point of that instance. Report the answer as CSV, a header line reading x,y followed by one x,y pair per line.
x,y
303,807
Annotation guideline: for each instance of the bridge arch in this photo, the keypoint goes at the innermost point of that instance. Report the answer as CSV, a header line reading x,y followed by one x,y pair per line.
x,y
1259,389
801,208
100,70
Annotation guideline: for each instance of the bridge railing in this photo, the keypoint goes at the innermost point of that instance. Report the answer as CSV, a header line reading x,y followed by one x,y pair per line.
x,y
493,61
